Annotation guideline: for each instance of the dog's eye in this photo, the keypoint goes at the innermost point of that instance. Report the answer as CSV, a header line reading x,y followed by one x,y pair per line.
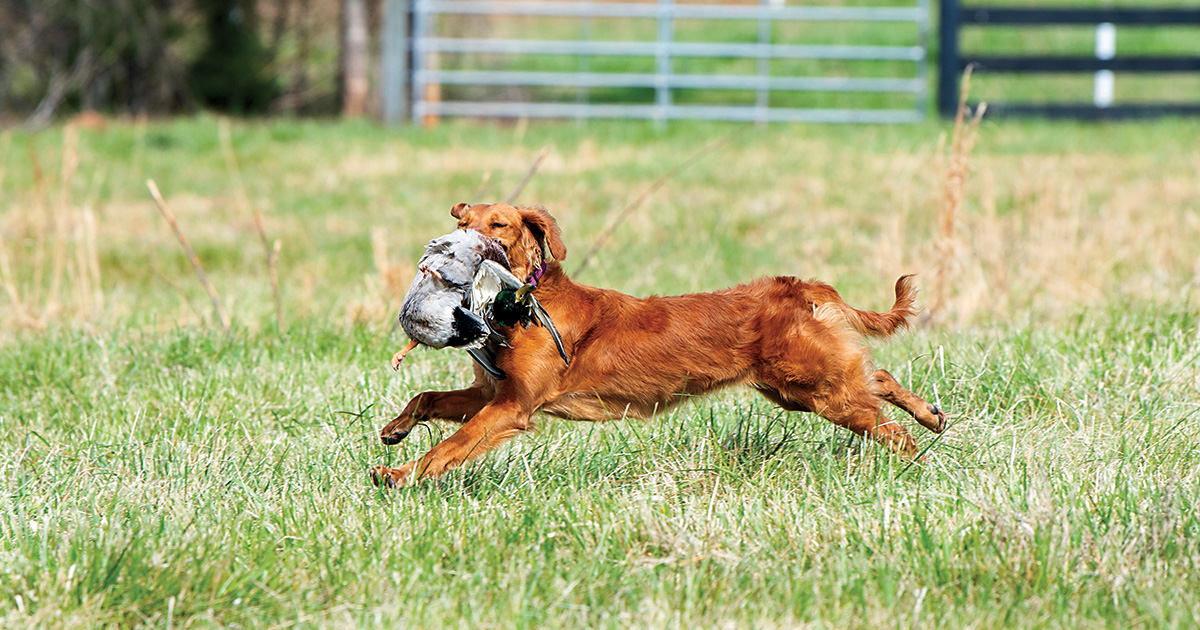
x,y
462,226
499,225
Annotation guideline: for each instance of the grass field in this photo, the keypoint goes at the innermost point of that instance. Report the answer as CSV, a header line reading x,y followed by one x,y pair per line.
x,y
160,472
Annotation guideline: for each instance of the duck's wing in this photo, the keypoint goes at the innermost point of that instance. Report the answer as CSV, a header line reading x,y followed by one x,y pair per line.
x,y
490,280
543,318
485,356
505,277
470,330
484,289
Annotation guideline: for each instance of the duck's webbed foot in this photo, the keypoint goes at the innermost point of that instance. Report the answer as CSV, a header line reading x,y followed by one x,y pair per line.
x,y
399,356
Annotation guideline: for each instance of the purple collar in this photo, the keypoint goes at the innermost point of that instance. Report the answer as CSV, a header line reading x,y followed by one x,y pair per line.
x,y
536,277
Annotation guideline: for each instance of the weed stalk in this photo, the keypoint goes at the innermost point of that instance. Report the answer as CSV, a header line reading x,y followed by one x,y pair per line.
x,y
271,250
528,175
195,260
953,174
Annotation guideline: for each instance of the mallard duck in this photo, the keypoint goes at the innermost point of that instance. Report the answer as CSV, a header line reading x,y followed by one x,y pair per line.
x,y
504,301
437,311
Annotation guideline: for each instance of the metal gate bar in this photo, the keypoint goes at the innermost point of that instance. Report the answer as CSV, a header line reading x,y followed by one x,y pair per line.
x,y
426,46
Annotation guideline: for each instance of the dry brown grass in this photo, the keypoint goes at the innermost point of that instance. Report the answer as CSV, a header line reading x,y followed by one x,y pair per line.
x,y
60,276
191,254
953,169
271,250
1051,219
1084,237
382,291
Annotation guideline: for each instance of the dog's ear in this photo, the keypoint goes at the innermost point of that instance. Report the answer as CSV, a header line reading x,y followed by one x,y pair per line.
x,y
545,228
459,210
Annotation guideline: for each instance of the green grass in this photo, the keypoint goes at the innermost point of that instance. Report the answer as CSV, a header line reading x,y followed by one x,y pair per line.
x,y
162,473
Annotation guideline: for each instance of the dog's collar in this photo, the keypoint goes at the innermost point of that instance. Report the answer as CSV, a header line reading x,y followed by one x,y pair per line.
x,y
536,277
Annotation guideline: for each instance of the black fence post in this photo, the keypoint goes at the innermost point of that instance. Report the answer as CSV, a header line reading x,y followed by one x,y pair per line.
x,y
949,61
953,60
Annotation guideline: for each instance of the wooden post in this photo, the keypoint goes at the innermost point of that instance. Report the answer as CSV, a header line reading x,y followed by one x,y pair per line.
x,y
354,57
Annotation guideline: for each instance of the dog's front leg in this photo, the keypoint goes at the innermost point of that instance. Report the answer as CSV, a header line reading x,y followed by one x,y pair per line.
x,y
495,424
456,406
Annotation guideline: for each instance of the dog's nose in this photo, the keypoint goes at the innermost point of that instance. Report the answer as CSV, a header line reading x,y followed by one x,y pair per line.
x,y
391,439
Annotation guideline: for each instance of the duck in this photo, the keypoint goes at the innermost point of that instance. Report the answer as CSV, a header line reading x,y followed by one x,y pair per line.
x,y
463,294
436,311
506,301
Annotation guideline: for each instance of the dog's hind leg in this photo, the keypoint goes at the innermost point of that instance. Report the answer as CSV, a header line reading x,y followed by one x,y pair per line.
x,y
825,371
930,416
847,400
870,421
859,413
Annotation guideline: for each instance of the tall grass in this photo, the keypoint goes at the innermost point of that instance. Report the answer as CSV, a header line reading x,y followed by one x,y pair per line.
x,y
61,275
953,170
161,473
1054,218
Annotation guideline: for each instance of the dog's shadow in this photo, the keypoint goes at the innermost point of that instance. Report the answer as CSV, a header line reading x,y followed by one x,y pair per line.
x,y
753,437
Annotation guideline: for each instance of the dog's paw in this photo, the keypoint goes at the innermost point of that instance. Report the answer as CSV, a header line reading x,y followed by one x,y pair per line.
x,y
942,420
392,438
390,477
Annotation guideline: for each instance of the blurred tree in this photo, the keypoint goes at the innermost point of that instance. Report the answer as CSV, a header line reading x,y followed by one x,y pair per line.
x,y
91,54
160,56
230,74
355,41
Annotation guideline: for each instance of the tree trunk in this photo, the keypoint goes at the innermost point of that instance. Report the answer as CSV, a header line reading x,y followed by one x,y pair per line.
x,y
354,57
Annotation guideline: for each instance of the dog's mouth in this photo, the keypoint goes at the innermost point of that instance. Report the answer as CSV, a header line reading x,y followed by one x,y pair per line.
x,y
507,247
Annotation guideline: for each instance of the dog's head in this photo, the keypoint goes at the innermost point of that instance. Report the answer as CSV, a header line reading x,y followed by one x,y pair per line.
x,y
528,233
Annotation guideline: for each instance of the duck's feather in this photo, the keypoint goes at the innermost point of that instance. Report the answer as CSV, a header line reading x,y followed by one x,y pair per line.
x,y
485,356
491,279
435,310
450,301
543,318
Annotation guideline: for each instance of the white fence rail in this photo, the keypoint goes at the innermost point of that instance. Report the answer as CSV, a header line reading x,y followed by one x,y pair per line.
x,y
416,30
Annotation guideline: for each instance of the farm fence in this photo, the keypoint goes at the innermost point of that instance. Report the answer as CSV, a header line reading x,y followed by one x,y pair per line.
x,y
1103,64
655,59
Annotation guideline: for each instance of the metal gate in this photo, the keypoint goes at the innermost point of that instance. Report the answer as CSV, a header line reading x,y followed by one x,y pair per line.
x,y
788,63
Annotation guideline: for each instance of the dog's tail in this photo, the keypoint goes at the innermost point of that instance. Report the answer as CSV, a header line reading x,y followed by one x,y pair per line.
x,y
871,323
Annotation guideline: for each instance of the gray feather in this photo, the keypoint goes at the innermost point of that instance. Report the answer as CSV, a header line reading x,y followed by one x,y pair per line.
x,y
450,300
